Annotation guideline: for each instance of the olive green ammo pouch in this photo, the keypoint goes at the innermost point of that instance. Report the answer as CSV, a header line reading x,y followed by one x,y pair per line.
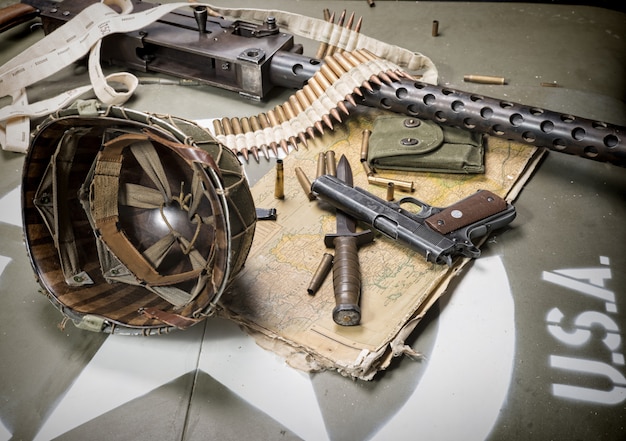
x,y
410,144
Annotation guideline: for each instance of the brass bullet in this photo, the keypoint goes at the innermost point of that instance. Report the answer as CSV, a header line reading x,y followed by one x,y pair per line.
x,y
359,22
315,86
330,77
265,124
279,186
376,80
335,114
245,124
328,122
282,118
291,116
369,54
359,56
218,128
244,152
228,128
335,66
326,85
331,163
247,130
332,48
393,75
271,114
304,183
304,101
349,98
254,122
328,73
321,165
237,130
484,79
236,125
365,144
402,185
347,26
344,62
385,77
315,91
295,104
298,109
321,273
350,21
288,110
228,131
311,96
366,85
322,51
341,105
256,126
302,98
351,58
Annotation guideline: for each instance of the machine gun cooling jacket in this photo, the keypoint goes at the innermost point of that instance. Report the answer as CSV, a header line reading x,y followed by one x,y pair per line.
x,y
134,223
530,125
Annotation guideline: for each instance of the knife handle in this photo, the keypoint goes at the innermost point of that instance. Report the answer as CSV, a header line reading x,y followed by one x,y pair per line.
x,y
346,281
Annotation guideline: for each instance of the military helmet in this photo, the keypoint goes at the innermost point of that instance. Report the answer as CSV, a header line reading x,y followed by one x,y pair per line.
x,y
134,223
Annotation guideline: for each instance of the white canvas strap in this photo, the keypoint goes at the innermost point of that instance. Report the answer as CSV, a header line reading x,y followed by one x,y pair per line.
x,y
82,35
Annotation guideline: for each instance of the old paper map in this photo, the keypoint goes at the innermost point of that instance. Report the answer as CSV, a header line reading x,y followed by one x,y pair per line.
x,y
269,297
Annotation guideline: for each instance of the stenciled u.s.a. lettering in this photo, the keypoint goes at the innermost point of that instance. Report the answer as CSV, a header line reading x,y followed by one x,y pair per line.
x,y
582,330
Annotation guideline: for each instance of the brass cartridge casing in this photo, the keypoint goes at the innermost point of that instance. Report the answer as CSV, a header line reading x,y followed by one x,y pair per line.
x,y
365,144
390,190
304,183
331,163
321,165
321,273
279,186
384,182
484,79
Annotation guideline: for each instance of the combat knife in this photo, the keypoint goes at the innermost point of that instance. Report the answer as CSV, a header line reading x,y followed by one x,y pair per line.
x,y
346,268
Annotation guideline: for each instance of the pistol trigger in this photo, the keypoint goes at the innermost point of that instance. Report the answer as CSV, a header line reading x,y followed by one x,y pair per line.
x,y
425,210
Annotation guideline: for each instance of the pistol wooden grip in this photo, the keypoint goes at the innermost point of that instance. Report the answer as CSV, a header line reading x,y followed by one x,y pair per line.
x,y
346,281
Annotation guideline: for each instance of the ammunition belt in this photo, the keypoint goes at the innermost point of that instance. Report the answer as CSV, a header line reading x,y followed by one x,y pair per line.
x,y
323,99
